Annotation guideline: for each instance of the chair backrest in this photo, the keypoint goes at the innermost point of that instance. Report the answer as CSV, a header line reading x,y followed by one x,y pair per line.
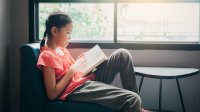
x,y
32,91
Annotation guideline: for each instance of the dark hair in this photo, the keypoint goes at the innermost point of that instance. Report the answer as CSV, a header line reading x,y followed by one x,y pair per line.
x,y
58,19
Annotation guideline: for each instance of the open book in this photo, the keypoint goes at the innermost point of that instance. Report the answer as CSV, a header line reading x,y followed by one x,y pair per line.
x,y
91,59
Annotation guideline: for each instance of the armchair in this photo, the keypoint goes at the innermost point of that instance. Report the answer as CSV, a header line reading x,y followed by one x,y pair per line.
x,y
33,97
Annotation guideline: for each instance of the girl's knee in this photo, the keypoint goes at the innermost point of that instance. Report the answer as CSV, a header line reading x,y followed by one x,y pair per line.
x,y
133,103
138,100
123,53
137,103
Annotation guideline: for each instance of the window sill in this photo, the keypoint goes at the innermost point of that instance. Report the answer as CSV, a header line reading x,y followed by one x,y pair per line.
x,y
139,46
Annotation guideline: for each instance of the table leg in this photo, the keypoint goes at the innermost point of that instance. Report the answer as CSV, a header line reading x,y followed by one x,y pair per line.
x,y
179,91
160,95
141,84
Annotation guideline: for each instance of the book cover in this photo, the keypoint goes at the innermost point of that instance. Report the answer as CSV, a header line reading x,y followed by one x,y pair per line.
x,y
91,59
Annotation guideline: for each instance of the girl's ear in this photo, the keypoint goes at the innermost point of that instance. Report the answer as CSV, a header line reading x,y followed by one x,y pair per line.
x,y
54,30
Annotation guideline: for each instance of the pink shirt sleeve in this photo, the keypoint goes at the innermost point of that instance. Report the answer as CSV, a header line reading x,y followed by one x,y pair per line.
x,y
49,59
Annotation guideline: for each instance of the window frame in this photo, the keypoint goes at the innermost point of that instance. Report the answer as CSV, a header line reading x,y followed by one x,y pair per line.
x,y
34,29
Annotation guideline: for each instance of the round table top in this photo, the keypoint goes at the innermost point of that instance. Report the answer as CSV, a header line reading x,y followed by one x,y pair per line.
x,y
165,72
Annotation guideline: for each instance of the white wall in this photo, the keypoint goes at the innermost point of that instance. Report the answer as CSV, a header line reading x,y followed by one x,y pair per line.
x,y
149,93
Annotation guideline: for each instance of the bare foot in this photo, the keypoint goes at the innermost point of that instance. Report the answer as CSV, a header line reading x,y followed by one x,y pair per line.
x,y
143,110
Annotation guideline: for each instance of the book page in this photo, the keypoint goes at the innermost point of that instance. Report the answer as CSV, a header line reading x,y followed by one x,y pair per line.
x,y
91,59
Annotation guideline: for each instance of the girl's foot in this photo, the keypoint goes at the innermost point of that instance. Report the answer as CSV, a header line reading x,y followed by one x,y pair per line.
x,y
143,110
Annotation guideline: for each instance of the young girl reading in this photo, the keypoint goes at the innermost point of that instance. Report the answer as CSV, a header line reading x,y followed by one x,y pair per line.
x,y
62,77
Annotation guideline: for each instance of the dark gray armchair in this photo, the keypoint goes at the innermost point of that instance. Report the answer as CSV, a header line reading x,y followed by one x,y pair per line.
x,y
33,97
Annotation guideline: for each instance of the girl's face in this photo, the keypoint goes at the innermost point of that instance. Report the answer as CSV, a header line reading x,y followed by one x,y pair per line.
x,y
62,35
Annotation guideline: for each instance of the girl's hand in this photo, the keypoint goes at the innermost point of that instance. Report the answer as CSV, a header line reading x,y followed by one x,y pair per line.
x,y
78,66
82,55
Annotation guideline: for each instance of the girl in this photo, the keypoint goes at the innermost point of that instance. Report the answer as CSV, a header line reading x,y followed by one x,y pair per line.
x,y
61,75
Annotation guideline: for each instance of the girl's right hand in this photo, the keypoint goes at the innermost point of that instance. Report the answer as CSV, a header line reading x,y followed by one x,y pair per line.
x,y
78,66
74,68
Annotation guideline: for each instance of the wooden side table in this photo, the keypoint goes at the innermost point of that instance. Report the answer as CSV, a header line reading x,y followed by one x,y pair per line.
x,y
165,73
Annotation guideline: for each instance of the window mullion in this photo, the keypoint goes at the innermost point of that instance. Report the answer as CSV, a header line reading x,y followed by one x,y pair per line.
x,y
37,20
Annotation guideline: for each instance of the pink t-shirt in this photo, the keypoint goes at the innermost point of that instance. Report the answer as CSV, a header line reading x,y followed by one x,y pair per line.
x,y
60,59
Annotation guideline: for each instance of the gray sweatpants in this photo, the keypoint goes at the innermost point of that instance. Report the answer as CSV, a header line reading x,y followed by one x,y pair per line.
x,y
100,92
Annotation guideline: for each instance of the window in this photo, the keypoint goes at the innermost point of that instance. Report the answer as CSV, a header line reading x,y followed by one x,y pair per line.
x,y
92,21
158,22
125,23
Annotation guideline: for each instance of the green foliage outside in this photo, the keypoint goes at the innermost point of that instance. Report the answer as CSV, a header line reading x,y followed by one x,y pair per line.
x,y
89,23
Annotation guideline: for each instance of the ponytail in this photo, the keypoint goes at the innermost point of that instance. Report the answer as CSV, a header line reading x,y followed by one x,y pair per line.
x,y
42,43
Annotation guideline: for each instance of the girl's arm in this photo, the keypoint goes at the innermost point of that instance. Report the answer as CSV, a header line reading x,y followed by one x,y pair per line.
x,y
53,89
